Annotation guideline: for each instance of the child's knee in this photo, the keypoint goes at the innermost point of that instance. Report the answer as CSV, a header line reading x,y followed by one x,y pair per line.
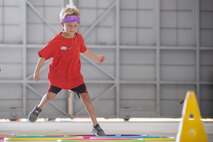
x,y
50,96
84,96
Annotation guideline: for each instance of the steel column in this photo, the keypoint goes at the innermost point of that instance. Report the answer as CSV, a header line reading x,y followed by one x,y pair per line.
x,y
117,103
197,31
157,57
24,51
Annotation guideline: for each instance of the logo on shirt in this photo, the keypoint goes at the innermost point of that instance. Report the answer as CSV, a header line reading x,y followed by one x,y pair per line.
x,y
64,48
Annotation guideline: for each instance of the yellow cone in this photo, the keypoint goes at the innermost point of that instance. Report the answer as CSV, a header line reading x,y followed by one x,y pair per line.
x,y
191,127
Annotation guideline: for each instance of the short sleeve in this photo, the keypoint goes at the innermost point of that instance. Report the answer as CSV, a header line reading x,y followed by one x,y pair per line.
x,y
83,47
48,51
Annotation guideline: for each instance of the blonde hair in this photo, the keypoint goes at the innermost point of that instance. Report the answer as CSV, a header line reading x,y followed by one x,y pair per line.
x,y
69,11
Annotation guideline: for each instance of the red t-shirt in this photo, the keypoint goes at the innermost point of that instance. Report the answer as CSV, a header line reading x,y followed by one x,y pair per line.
x,y
65,68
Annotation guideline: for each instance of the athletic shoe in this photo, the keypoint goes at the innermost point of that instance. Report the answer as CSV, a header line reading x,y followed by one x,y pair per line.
x,y
33,115
97,130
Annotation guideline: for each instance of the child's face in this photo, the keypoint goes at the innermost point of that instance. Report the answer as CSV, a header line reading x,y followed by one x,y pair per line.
x,y
71,27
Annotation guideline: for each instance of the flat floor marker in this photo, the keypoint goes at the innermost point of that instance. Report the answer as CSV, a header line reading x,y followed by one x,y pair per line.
x,y
91,138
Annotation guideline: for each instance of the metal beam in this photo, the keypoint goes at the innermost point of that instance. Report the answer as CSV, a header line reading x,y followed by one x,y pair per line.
x,y
96,98
42,68
197,34
114,47
157,72
98,67
23,9
89,29
41,17
117,102
99,19
39,94
11,45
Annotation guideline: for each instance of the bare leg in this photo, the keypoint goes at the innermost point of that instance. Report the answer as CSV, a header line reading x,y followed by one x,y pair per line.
x,y
89,106
33,115
46,99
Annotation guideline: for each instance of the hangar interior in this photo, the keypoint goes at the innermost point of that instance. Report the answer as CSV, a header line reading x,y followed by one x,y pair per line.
x,y
155,50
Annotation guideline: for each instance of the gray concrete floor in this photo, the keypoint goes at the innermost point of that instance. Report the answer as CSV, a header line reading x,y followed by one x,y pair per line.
x,y
147,126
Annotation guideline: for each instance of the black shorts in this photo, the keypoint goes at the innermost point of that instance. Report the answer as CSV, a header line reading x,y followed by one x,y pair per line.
x,y
78,90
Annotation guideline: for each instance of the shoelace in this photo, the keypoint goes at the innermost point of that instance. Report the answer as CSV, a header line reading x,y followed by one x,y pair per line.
x,y
99,129
37,111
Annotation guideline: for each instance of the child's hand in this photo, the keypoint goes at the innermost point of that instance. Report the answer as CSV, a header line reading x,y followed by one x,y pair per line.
x,y
36,76
100,59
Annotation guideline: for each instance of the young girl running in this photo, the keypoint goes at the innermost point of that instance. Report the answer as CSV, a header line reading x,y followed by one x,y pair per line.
x,y
65,68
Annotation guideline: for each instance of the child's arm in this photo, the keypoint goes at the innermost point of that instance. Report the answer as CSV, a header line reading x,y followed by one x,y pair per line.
x,y
36,75
97,58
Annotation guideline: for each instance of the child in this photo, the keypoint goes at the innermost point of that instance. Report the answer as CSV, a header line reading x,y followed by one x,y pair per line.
x,y
64,70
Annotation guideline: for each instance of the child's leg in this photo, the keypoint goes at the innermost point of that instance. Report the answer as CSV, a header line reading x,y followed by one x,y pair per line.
x,y
46,99
97,130
33,115
52,92
89,106
83,94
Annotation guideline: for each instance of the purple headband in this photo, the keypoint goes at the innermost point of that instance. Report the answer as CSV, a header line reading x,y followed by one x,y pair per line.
x,y
70,19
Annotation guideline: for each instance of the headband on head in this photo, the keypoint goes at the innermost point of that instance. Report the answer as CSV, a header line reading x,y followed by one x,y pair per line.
x,y
70,19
